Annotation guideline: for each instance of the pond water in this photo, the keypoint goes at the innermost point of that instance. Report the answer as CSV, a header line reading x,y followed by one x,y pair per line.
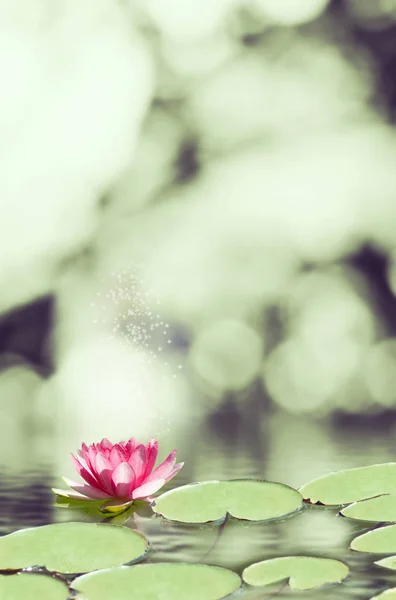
x,y
228,445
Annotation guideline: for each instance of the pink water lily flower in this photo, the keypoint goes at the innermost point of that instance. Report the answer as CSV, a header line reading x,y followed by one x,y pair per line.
x,y
120,473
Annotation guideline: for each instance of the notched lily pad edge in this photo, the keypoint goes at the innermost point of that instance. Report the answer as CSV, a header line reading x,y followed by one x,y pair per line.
x,y
318,503
352,469
229,516
341,505
286,580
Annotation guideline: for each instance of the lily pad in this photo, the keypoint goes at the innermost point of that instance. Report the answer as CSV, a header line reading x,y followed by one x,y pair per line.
x,y
33,587
387,595
249,499
381,541
72,547
387,563
99,508
351,485
159,580
303,572
380,509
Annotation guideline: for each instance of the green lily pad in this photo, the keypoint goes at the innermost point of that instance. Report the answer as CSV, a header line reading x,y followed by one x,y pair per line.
x,y
387,595
64,502
109,511
387,563
380,541
33,587
248,499
382,508
303,572
351,485
72,547
100,507
159,580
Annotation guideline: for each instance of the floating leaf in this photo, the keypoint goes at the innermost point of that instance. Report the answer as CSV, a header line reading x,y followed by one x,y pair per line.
x,y
249,499
106,511
113,505
382,540
387,563
72,547
387,595
382,508
352,485
64,502
31,587
303,572
159,580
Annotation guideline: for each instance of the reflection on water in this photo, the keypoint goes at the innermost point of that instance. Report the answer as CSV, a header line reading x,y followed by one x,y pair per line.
x,y
25,500
278,447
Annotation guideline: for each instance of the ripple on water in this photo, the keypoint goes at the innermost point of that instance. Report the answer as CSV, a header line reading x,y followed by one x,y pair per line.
x,y
26,500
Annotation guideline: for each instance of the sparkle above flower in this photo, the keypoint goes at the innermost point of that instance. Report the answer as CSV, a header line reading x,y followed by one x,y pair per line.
x,y
119,473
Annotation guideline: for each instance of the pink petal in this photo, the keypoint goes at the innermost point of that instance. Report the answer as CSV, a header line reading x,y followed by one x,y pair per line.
x,y
123,479
82,461
163,470
85,474
86,490
117,456
138,462
130,445
147,489
86,456
105,443
103,472
174,471
81,456
152,453
92,454
98,449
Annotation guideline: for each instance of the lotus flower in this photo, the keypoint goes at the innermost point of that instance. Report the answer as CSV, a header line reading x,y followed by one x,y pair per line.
x,y
120,473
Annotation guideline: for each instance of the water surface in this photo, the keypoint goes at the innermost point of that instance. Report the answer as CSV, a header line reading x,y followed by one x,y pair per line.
x,y
277,447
